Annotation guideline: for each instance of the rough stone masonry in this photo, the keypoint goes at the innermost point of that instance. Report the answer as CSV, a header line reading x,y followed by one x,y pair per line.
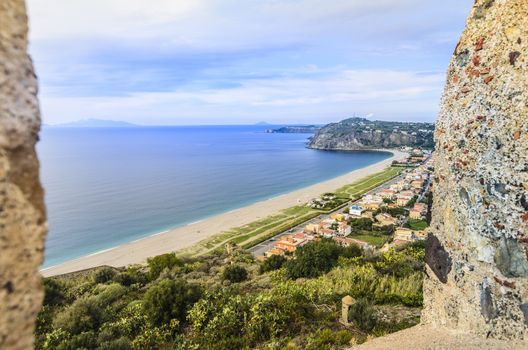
x,y
22,213
477,253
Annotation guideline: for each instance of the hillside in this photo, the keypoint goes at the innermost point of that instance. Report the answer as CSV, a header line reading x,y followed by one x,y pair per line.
x,y
361,133
295,129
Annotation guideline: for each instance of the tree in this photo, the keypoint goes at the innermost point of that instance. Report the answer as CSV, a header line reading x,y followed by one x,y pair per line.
x,y
104,274
161,262
313,259
83,315
235,273
361,223
53,292
272,263
170,299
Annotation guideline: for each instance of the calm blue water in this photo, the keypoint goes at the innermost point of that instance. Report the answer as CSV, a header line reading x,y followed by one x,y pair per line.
x,y
105,187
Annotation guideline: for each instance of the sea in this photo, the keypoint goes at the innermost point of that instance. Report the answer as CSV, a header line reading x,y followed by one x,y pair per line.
x,y
109,186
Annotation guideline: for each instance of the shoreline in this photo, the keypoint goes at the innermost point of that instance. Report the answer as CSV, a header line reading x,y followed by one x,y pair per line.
x,y
182,237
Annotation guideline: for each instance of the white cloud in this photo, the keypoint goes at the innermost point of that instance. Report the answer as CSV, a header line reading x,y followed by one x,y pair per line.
x,y
372,91
171,61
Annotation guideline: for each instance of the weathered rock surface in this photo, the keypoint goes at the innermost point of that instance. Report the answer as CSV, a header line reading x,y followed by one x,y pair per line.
x,y
364,134
22,214
480,211
426,337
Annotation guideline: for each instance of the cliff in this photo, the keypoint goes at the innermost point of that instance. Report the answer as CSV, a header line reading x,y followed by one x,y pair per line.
x,y
476,285
22,212
478,275
360,134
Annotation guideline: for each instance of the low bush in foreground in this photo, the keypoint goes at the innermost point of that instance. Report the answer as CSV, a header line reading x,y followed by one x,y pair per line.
x,y
294,303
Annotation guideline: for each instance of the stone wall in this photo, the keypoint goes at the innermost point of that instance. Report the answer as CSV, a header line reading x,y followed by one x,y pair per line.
x,y
22,213
477,253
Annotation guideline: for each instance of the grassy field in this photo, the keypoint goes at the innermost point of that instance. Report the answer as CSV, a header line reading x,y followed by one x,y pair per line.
x,y
417,225
362,186
258,231
375,240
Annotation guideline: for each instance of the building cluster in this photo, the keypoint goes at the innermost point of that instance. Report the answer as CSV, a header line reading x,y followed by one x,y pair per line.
x,y
416,156
402,193
335,227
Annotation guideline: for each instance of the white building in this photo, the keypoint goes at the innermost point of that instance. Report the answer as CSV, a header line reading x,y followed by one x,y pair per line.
x,y
356,210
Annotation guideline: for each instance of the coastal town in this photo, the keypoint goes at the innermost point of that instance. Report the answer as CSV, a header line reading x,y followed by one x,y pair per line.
x,y
390,215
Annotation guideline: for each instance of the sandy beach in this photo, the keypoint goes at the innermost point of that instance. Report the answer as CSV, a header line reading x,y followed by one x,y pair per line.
x,y
183,237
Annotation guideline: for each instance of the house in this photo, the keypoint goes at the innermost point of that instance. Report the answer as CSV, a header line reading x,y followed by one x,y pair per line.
x,y
387,193
408,235
385,219
327,233
404,197
417,184
421,207
367,214
273,251
344,229
418,211
325,224
403,234
300,235
289,243
356,210
398,186
371,202
338,217
415,214
372,205
311,228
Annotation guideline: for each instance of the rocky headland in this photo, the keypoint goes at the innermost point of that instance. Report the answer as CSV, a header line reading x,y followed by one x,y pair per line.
x,y
363,134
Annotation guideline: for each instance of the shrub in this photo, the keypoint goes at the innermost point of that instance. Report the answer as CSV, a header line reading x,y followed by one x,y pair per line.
x,y
104,274
132,275
83,315
313,259
122,343
53,292
161,262
326,339
360,223
169,299
235,273
218,320
363,315
272,263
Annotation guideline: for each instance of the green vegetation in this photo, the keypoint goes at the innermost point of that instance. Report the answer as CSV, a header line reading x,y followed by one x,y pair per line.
x,y
363,315
312,260
417,225
255,232
272,263
360,223
371,238
169,299
235,273
373,134
394,212
161,262
187,304
357,189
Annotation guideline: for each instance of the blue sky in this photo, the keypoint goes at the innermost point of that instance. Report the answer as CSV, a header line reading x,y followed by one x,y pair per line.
x,y
169,62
